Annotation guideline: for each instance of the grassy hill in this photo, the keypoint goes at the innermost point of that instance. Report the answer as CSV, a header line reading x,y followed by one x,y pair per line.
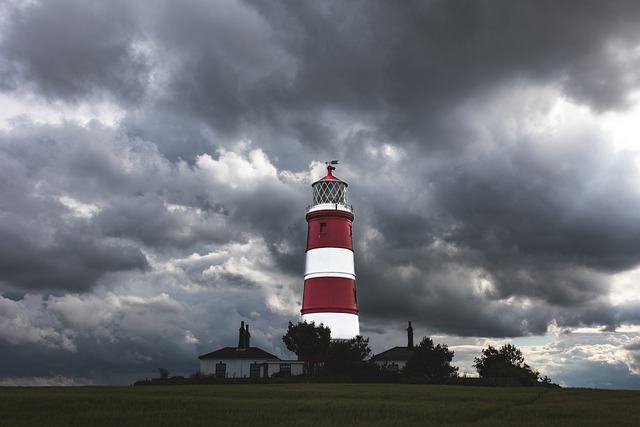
x,y
317,405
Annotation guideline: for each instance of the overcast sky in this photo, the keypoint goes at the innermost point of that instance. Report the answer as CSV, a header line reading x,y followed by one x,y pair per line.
x,y
156,160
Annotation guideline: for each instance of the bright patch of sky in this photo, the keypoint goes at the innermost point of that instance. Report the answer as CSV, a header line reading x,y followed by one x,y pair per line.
x,y
15,109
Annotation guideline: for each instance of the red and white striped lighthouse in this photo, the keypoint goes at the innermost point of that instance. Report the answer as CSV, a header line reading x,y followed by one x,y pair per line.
x,y
329,278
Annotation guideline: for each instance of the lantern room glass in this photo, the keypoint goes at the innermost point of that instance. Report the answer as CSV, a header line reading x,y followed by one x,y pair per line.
x,y
332,192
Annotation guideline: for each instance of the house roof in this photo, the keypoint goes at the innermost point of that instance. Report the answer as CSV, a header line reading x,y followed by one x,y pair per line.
x,y
236,353
395,353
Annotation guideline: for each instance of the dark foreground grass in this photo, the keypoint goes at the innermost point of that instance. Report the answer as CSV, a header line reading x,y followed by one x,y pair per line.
x,y
317,405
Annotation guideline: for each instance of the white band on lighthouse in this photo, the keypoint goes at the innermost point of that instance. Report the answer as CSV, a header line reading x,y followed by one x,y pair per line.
x,y
330,262
343,326
325,274
329,206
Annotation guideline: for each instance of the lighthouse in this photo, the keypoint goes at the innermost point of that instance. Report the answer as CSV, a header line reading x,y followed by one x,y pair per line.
x,y
329,278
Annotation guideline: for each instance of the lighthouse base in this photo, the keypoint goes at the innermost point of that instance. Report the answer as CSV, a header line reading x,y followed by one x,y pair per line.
x,y
343,326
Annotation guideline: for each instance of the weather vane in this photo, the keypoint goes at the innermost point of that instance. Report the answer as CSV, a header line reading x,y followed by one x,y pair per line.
x,y
332,162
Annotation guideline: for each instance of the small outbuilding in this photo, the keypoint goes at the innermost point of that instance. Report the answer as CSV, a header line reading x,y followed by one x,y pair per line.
x,y
395,358
245,361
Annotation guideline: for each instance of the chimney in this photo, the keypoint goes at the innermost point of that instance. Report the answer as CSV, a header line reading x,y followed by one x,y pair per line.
x,y
241,336
247,337
410,336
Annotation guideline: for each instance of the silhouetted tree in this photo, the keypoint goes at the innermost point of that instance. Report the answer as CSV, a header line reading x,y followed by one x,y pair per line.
x,y
505,362
431,361
164,373
347,356
309,342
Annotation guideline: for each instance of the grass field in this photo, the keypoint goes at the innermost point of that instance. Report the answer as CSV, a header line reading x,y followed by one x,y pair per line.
x,y
317,405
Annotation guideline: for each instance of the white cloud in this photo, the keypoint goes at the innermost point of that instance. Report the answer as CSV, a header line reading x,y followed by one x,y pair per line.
x,y
253,265
28,321
625,287
79,209
30,108
236,170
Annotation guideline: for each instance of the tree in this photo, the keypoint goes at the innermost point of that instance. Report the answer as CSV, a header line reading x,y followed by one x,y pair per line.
x,y
309,342
347,356
431,361
164,373
505,362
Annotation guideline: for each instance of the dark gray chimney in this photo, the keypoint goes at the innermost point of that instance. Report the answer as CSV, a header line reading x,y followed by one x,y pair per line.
x,y
247,337
241,336
410,336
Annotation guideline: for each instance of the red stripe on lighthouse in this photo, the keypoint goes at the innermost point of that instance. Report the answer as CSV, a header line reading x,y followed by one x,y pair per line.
x,y
329,229
330,294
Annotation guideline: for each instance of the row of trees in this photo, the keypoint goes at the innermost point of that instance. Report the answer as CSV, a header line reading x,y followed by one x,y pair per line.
x,y
427,360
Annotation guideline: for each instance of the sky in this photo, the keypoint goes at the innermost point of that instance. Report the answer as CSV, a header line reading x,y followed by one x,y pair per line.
x,y
156,159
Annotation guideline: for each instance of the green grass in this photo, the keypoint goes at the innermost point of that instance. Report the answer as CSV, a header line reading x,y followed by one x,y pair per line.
x,y
317,405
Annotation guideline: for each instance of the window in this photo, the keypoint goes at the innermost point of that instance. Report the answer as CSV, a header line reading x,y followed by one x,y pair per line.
x,y
221,370
285,369
393,367
254,370
323,227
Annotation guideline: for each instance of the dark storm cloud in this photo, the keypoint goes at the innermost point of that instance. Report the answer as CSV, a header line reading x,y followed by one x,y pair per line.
x,y
146,219
45,246
247,70
405,64
538,213
288,70
544,218
71,50
84,339
72,260
537,225
539,197
218,76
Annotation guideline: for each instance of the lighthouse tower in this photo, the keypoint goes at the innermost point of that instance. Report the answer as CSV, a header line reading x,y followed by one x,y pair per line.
x,y
329,278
